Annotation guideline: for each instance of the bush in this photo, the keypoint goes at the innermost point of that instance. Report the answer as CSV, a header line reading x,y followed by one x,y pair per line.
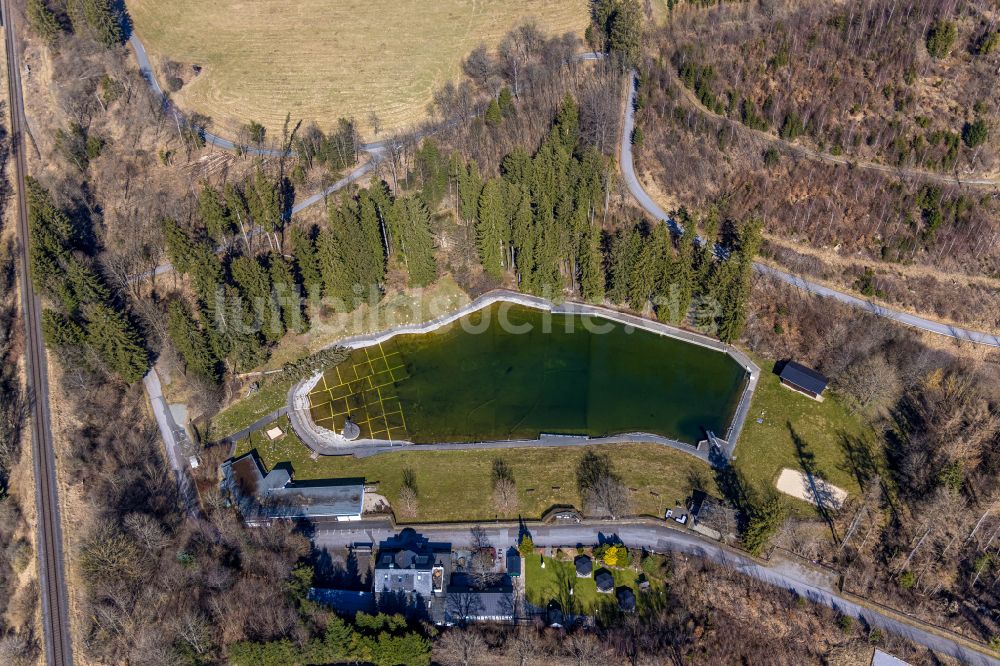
x,y
975,133
771,157
907,580
846,623
988,43
940,38
527,545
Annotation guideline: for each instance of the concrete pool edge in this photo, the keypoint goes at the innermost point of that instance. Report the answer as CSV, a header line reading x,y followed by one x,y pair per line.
x,y
325,442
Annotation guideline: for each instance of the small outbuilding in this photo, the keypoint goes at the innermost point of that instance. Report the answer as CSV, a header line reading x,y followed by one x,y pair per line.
x,y
605,581
804,380
626,599
584,566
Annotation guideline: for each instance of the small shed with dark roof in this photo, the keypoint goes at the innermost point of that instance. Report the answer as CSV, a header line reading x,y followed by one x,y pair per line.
x,y
605,581
626,599
584,566
802,379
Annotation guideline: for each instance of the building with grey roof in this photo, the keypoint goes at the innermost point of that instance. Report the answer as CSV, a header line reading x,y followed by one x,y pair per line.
x,y
410,572
262,497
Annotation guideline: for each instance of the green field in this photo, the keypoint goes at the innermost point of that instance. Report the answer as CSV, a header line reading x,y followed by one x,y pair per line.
x,y
554,582
797,432
513,372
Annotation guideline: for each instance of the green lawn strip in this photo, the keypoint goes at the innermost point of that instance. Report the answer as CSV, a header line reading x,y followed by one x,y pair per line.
x,y
456,485
554,582
829,436
271,396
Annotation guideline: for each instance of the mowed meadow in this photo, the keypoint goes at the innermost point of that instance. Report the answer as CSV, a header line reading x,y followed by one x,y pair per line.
x,y
323,59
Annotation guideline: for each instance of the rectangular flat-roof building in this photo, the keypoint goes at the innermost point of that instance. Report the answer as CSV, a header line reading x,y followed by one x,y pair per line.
x,y
262,497
802,379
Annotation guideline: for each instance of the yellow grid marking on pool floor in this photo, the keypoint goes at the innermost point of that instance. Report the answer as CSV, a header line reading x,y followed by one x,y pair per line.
x,y
371,417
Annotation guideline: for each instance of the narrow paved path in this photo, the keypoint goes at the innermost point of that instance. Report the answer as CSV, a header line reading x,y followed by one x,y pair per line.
x,y
174,436
651,207
658,537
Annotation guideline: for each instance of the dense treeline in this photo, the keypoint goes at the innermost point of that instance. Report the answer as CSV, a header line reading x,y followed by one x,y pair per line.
x,y
384,640
91,328
545,222
101,18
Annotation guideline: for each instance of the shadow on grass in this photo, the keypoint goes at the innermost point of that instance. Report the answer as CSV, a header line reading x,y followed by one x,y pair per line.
x,y
818,488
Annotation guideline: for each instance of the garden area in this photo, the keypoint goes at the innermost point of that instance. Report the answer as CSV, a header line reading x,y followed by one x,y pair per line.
x,y
558,581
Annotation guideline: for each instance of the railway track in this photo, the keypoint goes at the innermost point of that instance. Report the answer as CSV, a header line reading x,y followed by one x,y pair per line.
x,y
52,580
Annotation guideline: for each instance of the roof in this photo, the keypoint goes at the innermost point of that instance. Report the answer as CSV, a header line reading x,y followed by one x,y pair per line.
x,y
626,598
803,377
276,495
468,603
605,581
584,565
406,563
885,659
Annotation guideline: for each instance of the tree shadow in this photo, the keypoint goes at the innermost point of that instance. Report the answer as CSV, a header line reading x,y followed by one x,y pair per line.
x,y
818,487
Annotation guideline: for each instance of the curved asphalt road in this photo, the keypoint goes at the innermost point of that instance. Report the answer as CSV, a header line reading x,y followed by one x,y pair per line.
x,y
651,207
658,537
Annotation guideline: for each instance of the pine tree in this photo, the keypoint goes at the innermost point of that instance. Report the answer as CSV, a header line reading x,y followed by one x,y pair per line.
x,y
235,335
61,331
625,33
191,342
418,242
683,277
307,261
116,342
624,254
100,16
213,213
470,186
43,21
493,114
591,269
255,286
490,230
568,123
180,247
523,241
373,256
287,292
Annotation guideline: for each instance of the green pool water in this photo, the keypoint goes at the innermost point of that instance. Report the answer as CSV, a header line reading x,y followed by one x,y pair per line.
x,y
477,379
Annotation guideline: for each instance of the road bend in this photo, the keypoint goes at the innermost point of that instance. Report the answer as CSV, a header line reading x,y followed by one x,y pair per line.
x,y
51,571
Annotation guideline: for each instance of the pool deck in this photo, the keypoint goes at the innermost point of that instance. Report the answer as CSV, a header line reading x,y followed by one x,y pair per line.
x,y
325,442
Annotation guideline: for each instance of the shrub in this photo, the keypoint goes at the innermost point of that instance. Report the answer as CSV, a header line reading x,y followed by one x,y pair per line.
x,y
975,133
527,545
907,580
771,157
940,38
846,623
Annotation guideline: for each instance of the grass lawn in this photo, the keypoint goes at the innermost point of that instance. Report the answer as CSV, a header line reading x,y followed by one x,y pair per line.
x,y
239,415
797,432
323,59
555,581
456,485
